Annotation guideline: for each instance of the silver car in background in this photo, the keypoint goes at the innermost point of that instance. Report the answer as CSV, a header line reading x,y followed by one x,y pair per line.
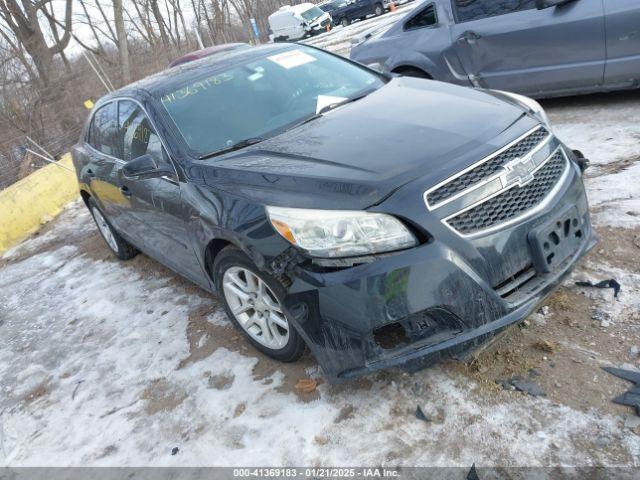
x,y
540,48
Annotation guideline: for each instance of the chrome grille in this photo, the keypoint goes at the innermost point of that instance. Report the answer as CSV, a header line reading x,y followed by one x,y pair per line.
x,y
512,202
488,168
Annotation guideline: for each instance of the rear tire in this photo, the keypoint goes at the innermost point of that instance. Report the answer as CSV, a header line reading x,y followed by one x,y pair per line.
x,y
345,22
118,245
252,300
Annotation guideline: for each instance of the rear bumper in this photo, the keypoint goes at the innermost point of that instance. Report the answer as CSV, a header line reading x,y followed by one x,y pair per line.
x,y
413,308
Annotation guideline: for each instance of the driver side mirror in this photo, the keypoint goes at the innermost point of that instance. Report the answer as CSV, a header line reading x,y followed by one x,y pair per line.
x,y
145,167
542,4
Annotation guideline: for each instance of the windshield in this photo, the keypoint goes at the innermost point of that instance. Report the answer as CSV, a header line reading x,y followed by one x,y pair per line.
x,y
261,98
311,14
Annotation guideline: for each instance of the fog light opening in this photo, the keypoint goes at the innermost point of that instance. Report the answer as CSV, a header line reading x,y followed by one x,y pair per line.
x,y
390,336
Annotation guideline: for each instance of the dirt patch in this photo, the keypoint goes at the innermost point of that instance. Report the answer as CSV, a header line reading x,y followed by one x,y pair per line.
x,y
613,167
239,410
347,412
108,450
36,393
617,247
205,337
222,381
293,372
162,396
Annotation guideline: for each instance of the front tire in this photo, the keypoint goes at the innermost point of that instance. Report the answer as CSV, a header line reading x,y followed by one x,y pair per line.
x,y
252,300
379,10
118,245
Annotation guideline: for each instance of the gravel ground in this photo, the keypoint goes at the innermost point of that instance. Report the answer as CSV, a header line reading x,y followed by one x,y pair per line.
x,y
109,363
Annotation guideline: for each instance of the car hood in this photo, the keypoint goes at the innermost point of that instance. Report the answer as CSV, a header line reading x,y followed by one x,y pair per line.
x,y
355,156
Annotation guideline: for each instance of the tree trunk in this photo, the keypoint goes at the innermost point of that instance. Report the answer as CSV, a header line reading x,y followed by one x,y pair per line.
x,y
123,46
166,43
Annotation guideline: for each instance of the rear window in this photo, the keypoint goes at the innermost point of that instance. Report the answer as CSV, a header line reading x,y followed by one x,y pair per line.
x,y
425,18
467,10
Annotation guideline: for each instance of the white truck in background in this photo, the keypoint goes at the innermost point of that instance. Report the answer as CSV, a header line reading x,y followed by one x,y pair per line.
x,y
295,22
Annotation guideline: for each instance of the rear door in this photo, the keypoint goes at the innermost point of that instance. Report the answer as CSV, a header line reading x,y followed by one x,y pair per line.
x,y
156,214
362,8
510,45
622,19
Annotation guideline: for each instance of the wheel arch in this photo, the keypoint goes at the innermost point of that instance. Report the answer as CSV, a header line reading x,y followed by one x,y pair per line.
x,y
85,196
407,69
213,248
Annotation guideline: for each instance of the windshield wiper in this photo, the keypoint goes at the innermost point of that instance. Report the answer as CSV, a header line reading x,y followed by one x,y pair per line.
x,y
328,108
236,146
335,105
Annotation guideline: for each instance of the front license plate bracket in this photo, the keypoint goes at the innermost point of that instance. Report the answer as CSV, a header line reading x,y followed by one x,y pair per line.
x,y
553,242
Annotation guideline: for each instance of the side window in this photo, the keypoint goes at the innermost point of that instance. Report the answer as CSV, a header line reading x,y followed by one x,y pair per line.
x,y
425,18
467,10
102,133
136,133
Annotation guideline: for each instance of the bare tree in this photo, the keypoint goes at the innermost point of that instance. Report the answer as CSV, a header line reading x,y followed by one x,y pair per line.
x,y
24,21
164,37
123,46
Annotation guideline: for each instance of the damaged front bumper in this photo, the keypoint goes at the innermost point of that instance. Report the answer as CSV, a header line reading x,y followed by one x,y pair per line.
x,y
416,307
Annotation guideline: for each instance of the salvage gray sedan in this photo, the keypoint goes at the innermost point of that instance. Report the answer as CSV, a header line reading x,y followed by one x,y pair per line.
x,y
541,48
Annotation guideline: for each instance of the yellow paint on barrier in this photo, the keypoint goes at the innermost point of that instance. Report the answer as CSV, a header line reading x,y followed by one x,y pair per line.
x,y
29,203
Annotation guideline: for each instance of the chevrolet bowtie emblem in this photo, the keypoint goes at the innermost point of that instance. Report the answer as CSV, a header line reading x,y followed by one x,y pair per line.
x,y
518,171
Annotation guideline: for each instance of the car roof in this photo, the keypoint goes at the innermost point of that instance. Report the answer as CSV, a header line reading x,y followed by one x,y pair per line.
x,y
180,74
206,52
299,8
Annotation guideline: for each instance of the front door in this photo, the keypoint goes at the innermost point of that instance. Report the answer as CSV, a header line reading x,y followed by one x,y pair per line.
x,y
510,45
156,209
623,42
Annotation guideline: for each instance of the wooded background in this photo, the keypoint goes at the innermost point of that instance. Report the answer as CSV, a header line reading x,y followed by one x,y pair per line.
x,y
55,54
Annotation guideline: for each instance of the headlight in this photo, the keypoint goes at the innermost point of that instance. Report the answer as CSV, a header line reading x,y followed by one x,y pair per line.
x,y
340,233
530,104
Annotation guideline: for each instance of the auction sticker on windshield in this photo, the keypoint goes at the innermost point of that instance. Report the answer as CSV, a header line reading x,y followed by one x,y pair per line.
x,y
292,59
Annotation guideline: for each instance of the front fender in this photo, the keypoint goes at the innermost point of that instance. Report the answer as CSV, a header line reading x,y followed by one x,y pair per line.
x,y
218,215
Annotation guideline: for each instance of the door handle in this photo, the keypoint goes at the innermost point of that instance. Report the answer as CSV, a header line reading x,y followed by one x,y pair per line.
x,y
469,37
90,174
125,191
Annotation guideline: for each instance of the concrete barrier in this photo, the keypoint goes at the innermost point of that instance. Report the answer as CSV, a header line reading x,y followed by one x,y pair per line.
x,y
29,203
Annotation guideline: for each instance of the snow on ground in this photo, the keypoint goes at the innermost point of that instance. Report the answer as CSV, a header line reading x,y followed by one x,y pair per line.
x,y
109,363
91,376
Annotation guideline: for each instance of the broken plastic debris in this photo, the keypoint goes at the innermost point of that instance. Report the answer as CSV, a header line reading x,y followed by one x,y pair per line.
x,y
631,398
473,474
611,283
420,414
523,385
174,450
321,440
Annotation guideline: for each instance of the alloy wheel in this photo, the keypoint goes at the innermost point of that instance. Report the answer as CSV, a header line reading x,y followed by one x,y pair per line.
x,y
105,229
255,307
